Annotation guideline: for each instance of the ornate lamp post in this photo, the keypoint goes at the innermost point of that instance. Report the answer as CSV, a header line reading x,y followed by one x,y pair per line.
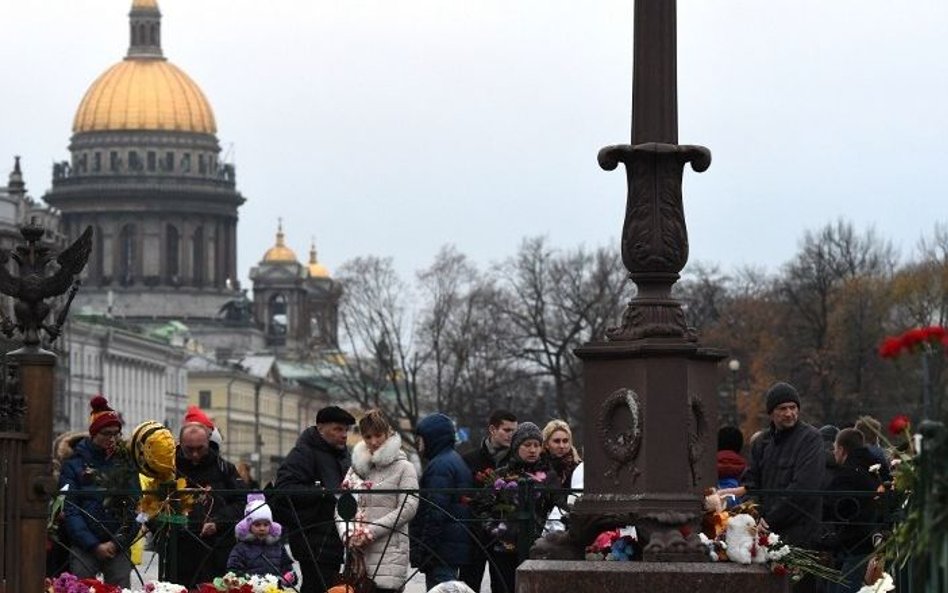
x,y
26,533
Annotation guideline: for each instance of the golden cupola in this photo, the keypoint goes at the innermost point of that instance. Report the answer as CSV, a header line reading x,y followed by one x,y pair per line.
x,y
144,91
316,269
280,253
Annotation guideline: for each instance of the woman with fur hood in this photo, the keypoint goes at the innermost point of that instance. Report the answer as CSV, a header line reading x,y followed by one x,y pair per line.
x,y
381,523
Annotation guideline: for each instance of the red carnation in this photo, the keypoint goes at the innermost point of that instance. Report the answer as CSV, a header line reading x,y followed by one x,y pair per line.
x,y
934,333
899,425
890,347
780,570
914,337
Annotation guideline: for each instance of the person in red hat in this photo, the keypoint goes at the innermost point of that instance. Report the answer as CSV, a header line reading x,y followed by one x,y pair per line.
x,y
196,415
100,529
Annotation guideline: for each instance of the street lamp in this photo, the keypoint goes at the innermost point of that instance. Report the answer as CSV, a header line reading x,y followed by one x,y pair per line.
x,y
733,365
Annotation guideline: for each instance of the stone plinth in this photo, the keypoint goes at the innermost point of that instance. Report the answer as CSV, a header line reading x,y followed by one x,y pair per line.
x,y
582,576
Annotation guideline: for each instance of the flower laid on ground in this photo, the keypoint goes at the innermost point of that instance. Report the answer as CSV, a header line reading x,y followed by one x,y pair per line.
x,y
231,583
615,544
735,535
70,583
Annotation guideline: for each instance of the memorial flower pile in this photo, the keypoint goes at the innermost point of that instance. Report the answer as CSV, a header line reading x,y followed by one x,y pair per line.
x,y
615,544
736,535
232,583
70,583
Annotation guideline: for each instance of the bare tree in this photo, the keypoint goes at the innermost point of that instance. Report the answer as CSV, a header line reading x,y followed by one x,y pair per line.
x,y
554,302
382,366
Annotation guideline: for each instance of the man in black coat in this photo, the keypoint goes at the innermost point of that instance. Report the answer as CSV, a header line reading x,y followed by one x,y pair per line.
x,y
203,546
493,453
853,519
788,457
319,461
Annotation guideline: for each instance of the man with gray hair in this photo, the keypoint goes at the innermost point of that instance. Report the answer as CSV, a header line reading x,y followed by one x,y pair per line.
x,y
205,543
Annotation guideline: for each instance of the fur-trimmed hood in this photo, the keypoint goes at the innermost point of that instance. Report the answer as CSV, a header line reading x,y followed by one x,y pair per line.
x,y
388,453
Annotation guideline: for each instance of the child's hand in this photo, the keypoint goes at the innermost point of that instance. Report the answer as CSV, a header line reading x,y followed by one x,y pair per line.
x,y
289,578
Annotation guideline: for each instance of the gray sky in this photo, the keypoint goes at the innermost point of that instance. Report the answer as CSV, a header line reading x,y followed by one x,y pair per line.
x,y
392,127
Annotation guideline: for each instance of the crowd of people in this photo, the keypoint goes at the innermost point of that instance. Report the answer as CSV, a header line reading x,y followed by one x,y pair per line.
x,y
431,518
446,518
794,469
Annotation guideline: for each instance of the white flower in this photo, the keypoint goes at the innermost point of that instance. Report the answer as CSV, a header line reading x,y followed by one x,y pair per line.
x,y
874,468
775,554
882,585
772,539
704,539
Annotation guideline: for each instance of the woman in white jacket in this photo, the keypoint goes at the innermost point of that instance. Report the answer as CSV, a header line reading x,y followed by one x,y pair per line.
x,y
380,529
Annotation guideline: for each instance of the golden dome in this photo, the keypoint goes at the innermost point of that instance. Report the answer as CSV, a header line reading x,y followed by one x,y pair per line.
x,y
145,4
279,253
144,94
316,269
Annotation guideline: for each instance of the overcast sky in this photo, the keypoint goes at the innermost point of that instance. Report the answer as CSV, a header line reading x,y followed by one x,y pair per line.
x,y
392,127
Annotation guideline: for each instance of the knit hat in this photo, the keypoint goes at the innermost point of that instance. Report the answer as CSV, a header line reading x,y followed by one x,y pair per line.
x,y
781,393
334,414
257,509
196,415
730,438
829,432
102,415
525,432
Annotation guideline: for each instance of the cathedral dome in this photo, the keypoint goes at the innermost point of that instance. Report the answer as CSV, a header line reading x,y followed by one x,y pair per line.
x,y
144,94
314,268
280,253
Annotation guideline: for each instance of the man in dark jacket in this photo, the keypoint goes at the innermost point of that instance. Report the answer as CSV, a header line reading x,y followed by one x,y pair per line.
x,y
788,457
100,526
440,540
318,462
493,453
204,545
852,518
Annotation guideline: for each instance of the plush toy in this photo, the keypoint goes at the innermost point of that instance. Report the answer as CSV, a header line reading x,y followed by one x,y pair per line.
x,y
741,539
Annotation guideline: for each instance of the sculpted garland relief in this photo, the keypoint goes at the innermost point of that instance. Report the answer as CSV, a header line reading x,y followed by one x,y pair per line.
x,y
621,444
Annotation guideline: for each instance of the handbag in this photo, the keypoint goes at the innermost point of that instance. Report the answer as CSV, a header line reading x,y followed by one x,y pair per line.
x,y
354,577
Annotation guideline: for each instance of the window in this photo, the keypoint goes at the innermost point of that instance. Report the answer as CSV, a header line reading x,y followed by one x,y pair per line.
x,y
197,263
172,247
113,161
202,164
152,160
96,161
204,399
127,255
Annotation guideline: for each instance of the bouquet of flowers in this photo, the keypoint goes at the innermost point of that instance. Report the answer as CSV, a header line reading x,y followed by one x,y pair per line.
x,y
736,535
361,535
231,583
70,583
615,544
497,503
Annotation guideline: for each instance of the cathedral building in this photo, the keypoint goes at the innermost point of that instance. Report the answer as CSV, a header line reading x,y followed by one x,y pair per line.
x,y
161,319
146,173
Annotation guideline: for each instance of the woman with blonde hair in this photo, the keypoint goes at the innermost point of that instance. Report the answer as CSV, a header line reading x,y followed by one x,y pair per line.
x,y
380,528
558,445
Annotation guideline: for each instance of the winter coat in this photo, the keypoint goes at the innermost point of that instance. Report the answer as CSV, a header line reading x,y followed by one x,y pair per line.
x,y
852,520
480,459
94,516
438,531
505,531
254,556
221,508
789,460
311,467
385,516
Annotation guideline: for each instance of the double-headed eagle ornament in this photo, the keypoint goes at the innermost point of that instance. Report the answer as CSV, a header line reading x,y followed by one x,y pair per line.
x,y
33,286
